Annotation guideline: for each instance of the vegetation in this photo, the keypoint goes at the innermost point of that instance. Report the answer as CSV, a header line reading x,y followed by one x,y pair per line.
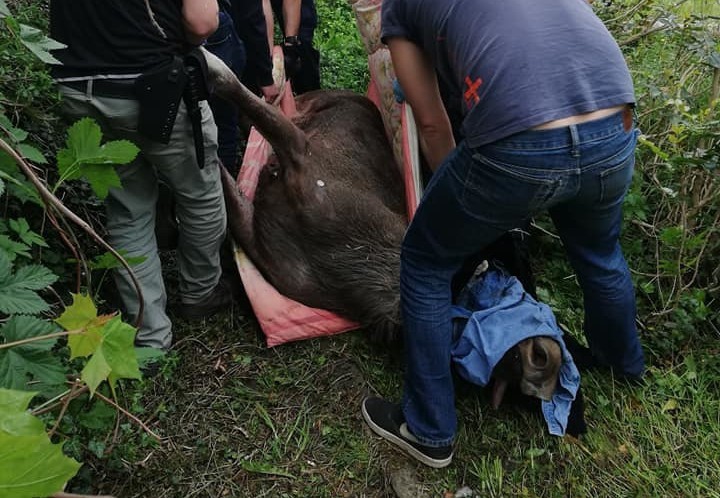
x,y
228,417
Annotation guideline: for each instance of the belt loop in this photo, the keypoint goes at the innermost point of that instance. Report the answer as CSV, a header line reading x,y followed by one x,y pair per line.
x,y
89,89
575,139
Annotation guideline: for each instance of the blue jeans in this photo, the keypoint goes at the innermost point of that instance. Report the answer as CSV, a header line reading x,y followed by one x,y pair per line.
x,y
579,173
226,45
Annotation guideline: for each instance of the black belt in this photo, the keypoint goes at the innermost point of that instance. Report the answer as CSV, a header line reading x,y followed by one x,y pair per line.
x,y
122,89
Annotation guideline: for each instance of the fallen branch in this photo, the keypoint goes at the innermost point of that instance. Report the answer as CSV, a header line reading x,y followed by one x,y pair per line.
x,y
129,415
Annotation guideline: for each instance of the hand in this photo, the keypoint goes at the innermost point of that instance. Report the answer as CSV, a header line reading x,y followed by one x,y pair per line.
x,y
292,59
270,92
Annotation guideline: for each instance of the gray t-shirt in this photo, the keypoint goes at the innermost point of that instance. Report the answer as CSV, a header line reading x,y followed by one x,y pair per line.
x,y
514,64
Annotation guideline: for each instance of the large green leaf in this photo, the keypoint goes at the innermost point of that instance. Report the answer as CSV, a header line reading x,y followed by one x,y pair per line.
x,y
84,157
14,417
17,291
30,465
32,361
39,44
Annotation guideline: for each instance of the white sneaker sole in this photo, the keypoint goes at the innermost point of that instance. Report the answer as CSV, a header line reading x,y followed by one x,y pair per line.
x,y
404,445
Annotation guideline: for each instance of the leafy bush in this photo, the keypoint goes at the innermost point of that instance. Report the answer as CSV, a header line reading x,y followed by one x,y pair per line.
x,y
343,62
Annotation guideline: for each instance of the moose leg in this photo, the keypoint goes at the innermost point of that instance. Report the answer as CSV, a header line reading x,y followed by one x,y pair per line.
x,y
239,213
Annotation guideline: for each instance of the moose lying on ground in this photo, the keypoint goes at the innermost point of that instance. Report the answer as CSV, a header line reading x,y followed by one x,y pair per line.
x,y
328,217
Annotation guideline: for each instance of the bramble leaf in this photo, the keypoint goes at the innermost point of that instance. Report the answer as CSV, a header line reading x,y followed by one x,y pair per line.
x,y
22,229
39,44
4,11
16,134
31,361
31,153
17,291
84,157
13,248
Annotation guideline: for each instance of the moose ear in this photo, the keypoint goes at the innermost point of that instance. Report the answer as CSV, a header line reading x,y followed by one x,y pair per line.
x,y
541,358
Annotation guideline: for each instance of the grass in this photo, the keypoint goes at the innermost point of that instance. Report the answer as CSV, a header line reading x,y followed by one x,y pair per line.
x,y
243,420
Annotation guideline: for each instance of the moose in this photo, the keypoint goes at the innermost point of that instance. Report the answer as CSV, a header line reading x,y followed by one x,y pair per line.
x,y
328,218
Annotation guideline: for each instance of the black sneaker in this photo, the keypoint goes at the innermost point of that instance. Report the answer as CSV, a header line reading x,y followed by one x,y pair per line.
x,y
220,298
386,420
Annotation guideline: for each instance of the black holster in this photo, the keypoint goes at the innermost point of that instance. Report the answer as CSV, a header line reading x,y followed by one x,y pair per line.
x,y
159,92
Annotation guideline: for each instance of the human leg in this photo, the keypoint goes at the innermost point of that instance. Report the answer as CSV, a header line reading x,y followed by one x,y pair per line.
x,y
199,204
130,216
589,226
466,206
226,45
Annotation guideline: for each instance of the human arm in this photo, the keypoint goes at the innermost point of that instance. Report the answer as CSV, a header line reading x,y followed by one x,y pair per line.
x,y
291,17
200,19
418,80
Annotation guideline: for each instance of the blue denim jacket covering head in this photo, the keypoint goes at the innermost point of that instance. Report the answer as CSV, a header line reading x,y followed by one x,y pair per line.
x,y
492,314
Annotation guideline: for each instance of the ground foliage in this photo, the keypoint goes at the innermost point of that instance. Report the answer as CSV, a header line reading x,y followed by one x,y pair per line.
x,y
238,419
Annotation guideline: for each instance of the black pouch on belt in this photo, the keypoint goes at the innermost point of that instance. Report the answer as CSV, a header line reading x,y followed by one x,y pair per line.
x,y
159,92
195,92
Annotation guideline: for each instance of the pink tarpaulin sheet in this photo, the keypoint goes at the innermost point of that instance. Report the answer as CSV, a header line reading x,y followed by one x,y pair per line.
x,y
281,318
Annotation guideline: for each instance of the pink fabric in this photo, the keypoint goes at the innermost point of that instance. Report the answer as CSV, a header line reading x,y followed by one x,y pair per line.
x,y
282,319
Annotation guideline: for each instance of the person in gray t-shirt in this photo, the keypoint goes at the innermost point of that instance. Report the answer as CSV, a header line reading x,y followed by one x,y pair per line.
x,y
546,98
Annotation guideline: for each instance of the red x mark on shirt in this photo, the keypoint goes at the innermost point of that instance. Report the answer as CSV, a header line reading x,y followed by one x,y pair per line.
x,y
471,95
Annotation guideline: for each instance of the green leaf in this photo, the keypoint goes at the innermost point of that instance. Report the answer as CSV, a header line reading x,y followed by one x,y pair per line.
x,y
4,11
107,261
2,187
32,361
14,249
119,151
84,157
17,184
16,134
32,466
39,44
22,229
82,314
119,349
148,355
31,153
99,417
17,291
96,371
14,419
101,177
